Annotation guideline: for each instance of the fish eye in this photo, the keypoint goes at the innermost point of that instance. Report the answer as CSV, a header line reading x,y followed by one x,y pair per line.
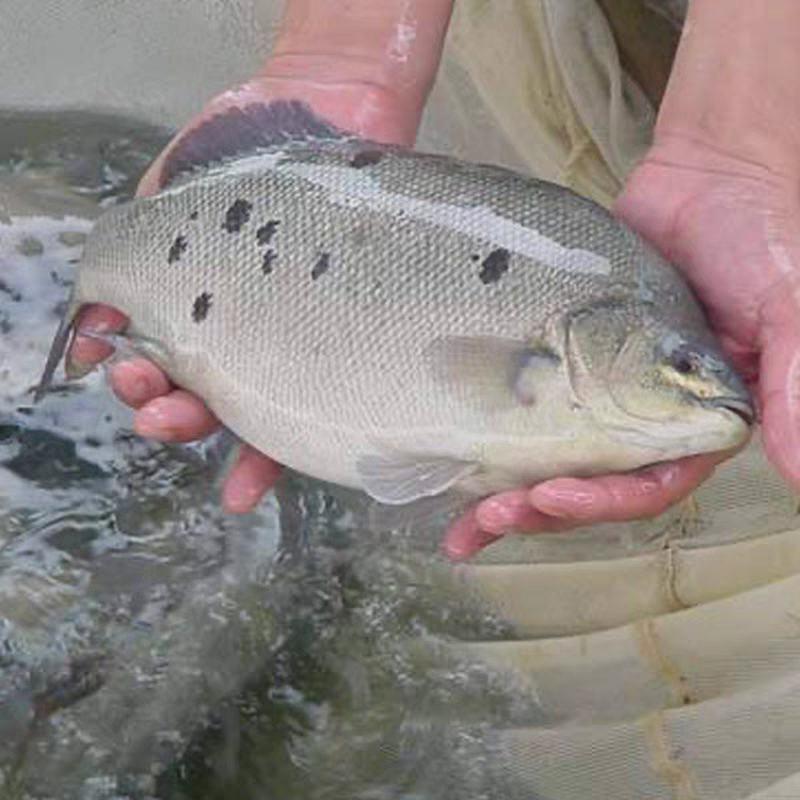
x,y
683,364
683,361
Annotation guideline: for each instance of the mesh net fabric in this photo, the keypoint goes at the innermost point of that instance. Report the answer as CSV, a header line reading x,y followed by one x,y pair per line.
x,y
548,77
671,671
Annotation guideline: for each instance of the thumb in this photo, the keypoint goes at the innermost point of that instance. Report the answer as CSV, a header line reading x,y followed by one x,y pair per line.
x,y
647,203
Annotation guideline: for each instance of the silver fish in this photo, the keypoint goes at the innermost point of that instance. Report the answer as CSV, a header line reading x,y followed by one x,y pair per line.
x,y
409,324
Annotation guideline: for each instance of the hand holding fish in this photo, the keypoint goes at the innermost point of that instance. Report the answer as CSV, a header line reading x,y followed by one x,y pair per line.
x,y
693,209
350,66
717,195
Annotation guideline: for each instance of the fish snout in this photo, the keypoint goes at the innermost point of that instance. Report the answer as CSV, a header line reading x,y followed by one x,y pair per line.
x,y
741,405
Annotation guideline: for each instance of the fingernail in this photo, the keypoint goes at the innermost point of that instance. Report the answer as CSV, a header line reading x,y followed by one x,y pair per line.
x,y
95,326
565,504
153,421
461,551
499,517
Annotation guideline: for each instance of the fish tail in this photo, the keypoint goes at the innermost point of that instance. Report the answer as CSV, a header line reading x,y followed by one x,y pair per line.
x,y
59,345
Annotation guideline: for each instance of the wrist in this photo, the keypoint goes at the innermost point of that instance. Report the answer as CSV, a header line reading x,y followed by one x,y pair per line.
x,y
380,58
735,85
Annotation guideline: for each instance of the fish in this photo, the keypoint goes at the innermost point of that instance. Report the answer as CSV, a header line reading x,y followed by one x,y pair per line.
x,y
407,324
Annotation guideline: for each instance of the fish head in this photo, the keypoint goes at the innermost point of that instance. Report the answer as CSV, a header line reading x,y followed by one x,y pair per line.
x,y
656,383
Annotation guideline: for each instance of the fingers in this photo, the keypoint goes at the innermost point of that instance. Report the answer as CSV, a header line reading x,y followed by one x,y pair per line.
x,y
565,503
495,517
624,497
86,351
509,512
137,382
175,417
465,538
514,512
178,416
251,477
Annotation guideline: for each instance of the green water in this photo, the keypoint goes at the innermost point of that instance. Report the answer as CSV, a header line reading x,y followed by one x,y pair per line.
x,y
150,646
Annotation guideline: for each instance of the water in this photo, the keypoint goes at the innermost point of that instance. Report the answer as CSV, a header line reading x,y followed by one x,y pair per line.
x,y
150,646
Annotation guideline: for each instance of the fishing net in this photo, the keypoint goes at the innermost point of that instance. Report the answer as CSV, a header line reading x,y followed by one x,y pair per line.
x,y
669,673
664,655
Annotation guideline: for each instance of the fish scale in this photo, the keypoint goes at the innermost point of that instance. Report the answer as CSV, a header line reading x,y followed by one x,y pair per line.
x,y
432,351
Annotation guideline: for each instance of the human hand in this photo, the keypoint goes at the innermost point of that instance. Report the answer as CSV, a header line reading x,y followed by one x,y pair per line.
x,y
717,194
732,224
364,67
733,227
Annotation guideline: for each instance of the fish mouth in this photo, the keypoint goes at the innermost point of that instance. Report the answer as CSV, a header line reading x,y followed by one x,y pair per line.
x,y
737,405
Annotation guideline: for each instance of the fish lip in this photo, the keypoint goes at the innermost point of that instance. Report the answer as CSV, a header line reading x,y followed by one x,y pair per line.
x,y
741,407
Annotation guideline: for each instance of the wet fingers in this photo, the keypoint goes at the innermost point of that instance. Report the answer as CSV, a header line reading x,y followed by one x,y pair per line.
x,y
86,351
175,417
138,381
621,498
251,477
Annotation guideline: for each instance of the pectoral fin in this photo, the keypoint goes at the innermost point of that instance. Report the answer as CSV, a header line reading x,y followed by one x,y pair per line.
x,y
491,372
399,479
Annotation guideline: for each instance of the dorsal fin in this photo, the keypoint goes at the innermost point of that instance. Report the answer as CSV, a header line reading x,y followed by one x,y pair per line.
x,y
244,130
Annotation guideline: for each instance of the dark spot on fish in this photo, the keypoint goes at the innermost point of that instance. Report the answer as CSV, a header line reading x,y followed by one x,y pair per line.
x,y
237,131
366,158
321,267
495,265
266,264
237,216
193,216
265,233
177,250
475,257
201,307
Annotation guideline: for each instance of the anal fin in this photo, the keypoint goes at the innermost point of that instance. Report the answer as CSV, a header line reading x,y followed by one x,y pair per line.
x,y
400,479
